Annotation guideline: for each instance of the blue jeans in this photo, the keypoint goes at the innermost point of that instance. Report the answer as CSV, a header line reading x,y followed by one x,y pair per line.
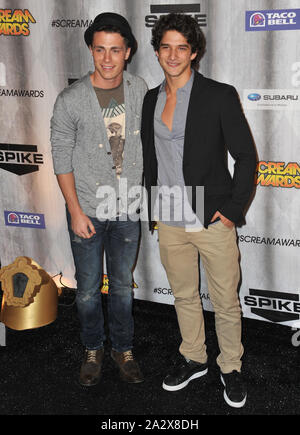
x,y
120,241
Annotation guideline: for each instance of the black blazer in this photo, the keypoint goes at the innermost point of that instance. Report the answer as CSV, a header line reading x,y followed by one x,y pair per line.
x,y
215,123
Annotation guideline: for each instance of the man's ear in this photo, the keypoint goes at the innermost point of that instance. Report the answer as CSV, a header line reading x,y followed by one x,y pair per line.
x,y
127,53
194,55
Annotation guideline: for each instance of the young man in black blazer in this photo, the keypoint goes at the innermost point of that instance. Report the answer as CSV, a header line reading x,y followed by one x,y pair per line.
x,y
188,124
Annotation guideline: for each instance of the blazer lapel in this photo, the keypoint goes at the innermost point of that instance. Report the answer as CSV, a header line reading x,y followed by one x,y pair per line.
x,y
149,121
197,101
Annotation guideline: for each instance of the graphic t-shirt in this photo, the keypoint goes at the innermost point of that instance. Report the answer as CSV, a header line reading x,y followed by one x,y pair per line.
x,y
113,112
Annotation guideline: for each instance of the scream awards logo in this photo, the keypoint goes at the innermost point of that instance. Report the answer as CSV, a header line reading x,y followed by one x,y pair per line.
x,y
15,22
20,159
274,306
278,174
191,9
105,284
104,288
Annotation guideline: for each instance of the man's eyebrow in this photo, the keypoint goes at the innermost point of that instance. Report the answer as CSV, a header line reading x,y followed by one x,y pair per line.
x,y
102,46
179,45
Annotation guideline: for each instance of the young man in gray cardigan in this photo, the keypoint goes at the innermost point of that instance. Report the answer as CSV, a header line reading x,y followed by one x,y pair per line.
x,y
97,155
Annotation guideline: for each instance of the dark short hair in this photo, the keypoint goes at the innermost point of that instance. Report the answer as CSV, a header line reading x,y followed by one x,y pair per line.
x,y
187,26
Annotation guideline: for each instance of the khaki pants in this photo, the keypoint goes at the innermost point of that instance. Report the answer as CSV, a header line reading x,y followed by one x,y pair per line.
x,y
220,257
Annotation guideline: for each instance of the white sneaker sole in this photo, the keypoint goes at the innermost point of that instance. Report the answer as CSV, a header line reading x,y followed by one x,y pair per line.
x,y
230,402
185,383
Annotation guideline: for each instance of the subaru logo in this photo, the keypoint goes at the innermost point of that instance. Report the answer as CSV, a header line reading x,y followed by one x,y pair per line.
x,y
254,97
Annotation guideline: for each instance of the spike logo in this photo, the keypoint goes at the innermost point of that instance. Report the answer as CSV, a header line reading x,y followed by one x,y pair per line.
x,y
191,9
274,306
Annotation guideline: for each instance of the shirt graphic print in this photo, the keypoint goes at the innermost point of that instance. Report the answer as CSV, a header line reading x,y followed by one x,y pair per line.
x,y
113,112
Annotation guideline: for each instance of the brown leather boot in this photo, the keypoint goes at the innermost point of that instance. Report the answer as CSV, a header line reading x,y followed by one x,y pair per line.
x,y
90,371
129,368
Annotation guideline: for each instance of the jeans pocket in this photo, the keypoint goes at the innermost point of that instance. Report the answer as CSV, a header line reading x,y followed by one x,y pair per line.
x,y
75,238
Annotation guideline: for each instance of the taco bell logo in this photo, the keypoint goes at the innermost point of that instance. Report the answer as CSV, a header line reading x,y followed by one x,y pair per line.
x,y
13,218
257,20
22,219
277,19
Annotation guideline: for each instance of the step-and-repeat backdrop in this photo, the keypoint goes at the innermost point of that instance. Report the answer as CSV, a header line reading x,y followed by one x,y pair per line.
x,y
253,45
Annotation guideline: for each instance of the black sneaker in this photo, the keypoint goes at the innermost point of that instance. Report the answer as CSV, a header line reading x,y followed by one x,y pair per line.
x,y
182,373
235,392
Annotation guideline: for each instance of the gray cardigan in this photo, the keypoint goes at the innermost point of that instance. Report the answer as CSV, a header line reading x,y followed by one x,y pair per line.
x,y
80,144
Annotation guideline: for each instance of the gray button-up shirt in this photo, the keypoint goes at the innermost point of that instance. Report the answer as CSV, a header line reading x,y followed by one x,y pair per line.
x,y
172,206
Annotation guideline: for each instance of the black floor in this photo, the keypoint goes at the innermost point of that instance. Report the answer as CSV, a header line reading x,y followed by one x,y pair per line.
x,y
39,371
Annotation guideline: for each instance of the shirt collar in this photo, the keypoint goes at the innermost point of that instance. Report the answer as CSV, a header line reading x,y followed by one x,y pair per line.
x,y
186,88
